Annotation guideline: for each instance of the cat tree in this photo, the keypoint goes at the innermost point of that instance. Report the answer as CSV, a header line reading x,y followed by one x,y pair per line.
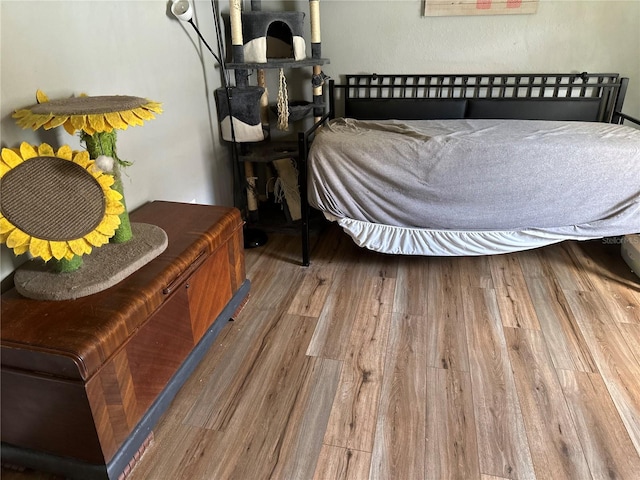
x,y
261,41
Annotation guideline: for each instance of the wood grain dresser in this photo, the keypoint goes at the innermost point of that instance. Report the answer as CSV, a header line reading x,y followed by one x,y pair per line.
x,y
84,381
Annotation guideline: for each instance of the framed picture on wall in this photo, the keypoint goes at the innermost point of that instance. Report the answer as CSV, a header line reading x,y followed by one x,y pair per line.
x,y
441,8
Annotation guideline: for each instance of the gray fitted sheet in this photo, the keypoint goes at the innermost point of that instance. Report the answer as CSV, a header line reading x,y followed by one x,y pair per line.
x,y
475,175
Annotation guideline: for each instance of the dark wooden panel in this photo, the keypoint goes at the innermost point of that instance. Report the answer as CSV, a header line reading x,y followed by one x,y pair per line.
x,y
48,414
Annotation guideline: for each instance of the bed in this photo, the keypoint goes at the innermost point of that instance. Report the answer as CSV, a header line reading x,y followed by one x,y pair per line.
x,y
473,164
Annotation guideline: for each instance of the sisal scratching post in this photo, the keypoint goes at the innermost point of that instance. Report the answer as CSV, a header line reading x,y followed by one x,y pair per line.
x,y
264,100
235,13
289,182
252,194
316,52
314,14
235,17
237,47
261,79
104,143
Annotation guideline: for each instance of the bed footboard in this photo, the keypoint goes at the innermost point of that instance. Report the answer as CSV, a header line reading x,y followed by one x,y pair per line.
x,y
304,142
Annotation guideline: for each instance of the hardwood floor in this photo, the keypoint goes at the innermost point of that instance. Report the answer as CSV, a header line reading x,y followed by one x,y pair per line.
x,y
368,366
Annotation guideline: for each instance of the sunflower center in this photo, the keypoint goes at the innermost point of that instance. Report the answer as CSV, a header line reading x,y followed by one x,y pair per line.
x,y
52,199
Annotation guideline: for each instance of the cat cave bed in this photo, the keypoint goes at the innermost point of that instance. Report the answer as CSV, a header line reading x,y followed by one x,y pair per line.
x,y
273,35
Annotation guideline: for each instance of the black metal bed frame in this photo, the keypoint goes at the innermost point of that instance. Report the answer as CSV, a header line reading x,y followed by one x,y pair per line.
x,y
573,96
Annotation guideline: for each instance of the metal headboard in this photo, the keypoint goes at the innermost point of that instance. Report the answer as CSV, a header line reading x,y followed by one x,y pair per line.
x,y
607,87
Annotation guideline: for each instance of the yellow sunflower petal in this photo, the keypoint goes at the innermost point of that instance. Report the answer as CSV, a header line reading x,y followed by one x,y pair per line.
x,y
96,121
41,97
69,255
111,194
79,247
6,226
106,181
89,165
45,150
19,114
4,168
113,207
17,237
58,249
109,225
27,151
153,106
96,238
55,122
68,127
143,113
88,129
95,171
19,250
65,152
82,158
124,125
10,157
78,121
39,120
40,248
114,119
130,118
28,120
3,237
23,118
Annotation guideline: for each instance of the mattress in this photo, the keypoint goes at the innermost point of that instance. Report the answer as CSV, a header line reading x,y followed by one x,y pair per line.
x,y
474,187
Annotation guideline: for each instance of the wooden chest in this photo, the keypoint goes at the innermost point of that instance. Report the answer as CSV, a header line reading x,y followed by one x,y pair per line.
x,y
85,380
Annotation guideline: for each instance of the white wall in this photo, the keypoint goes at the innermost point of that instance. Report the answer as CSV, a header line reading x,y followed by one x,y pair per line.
x,y
136,48
121,48
563,36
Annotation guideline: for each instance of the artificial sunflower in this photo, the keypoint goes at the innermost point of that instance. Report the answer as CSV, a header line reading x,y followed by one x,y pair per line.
x,y
97,118
91,115
55,205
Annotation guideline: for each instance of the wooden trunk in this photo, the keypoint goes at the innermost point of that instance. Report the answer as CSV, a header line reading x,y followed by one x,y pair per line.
x,y
85,380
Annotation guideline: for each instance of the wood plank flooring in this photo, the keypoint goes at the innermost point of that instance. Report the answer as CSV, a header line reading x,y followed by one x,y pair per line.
x,y
369,366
